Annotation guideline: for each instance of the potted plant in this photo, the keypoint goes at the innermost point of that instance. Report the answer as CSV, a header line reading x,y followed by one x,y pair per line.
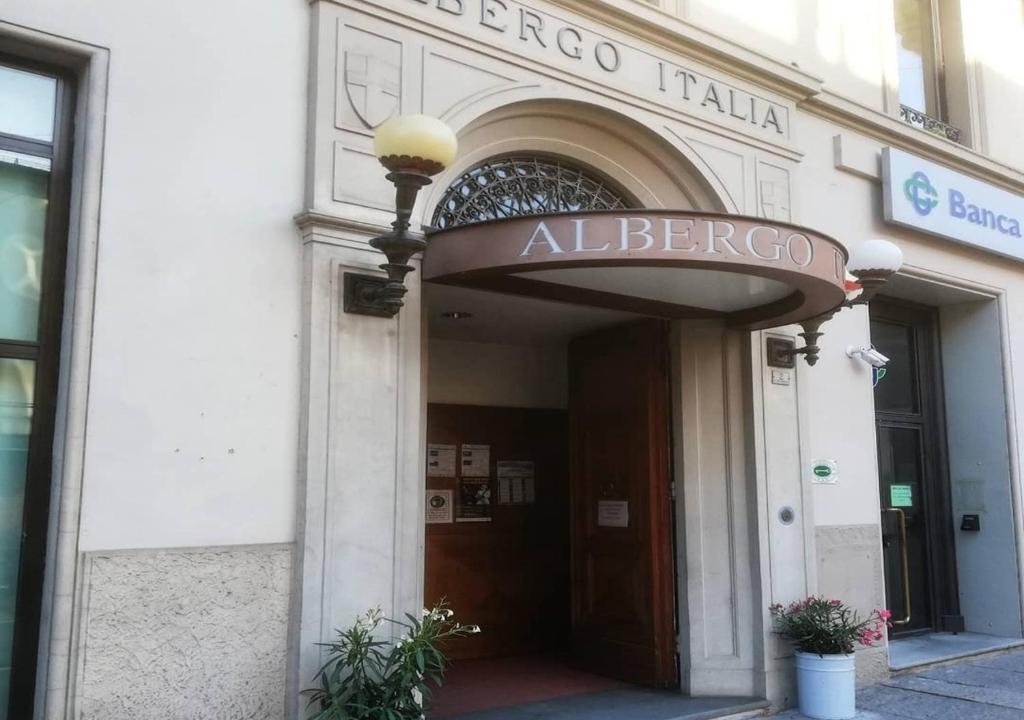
x,y
369,678
825,633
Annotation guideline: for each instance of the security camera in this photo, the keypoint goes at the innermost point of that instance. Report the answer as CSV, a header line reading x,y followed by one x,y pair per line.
x,y
868,354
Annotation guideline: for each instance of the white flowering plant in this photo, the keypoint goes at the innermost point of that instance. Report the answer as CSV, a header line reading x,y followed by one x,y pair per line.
x,y
367,677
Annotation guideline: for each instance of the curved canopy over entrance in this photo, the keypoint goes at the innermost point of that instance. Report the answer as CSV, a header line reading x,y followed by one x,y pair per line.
x,y
543,226
674,264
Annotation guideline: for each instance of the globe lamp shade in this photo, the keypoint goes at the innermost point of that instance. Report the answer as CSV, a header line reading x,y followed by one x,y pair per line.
x,y
875,256
415,143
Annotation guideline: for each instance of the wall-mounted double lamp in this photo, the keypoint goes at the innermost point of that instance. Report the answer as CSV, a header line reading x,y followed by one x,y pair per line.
x,y
413,148
872,263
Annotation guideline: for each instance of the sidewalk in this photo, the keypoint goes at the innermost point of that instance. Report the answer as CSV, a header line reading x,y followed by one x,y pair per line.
x,y
981,688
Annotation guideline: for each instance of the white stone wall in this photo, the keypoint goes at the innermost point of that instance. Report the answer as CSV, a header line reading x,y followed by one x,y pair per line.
x,y
196,634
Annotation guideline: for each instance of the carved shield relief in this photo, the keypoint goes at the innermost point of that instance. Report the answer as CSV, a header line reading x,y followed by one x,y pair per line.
x,y
373,86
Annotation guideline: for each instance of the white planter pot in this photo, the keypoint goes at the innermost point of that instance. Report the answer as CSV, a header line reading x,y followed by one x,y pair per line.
x,y
826,686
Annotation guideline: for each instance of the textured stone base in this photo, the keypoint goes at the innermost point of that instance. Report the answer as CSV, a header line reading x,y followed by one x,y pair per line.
x,y
850,568
190,634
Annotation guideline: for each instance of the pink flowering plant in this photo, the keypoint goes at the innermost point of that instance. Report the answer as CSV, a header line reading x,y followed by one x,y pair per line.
x,y
368,677
828,627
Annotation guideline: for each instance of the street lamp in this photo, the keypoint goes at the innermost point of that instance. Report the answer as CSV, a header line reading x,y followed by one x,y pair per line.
x,y
873,263
413,148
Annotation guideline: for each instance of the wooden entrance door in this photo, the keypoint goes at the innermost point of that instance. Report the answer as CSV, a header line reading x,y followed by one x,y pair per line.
x,y
623,619
917,532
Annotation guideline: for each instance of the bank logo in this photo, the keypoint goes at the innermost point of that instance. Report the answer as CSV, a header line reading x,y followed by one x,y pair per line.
x,y
921,193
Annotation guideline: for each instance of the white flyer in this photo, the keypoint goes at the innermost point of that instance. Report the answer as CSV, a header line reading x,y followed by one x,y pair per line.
x,y
476,460
440,460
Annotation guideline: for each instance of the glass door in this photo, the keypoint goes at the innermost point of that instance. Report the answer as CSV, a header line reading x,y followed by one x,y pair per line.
x,y
917,540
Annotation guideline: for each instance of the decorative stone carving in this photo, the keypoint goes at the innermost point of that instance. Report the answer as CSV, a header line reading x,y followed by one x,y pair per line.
x,y
773,192
373,86
371,72
193,634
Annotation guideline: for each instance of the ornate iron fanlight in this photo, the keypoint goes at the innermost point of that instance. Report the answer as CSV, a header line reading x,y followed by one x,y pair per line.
x,y
516,185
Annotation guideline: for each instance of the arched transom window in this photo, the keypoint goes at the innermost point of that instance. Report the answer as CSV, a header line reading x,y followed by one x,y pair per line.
x,y
515,185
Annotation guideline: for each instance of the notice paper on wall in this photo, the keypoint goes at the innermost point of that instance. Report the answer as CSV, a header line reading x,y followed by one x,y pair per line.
x,y
516,482
613,513
439,506
901,496
476,460
474,500
440,460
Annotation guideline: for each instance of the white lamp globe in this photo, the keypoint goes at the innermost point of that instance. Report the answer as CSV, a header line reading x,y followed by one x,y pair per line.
x,y
876,254
416,136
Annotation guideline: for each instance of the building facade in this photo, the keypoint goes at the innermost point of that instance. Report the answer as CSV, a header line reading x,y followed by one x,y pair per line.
x,y
209,464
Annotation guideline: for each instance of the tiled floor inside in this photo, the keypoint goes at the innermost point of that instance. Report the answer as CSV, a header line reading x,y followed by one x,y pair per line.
x,y
547,688
938,647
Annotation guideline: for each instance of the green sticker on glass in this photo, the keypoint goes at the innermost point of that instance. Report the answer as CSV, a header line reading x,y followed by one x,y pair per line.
x,y
901,496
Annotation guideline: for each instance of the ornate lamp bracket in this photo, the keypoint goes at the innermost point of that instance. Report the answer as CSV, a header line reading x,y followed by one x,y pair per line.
x,y
413,148
872,263
384,297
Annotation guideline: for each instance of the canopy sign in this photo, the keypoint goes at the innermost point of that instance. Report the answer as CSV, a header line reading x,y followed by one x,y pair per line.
x,y
748,271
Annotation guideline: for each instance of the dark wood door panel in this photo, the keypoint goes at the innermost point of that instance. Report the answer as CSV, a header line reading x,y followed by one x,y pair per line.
x,y
623,578
509,575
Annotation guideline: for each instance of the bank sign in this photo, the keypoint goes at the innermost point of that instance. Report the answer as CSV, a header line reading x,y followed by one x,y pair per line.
x,y
924,196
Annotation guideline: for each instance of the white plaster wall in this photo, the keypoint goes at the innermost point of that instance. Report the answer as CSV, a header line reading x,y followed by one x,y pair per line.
x,y
841,425
840,419
994,48
193,408
843,43
473,373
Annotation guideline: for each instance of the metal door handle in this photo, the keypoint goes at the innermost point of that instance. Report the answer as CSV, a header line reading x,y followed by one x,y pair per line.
x,y
901,518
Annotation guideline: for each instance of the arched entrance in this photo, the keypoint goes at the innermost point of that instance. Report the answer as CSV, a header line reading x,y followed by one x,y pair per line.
x,y
588,389
552,528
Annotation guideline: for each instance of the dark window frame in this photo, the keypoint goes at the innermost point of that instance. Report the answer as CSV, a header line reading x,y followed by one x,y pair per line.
x,y
930,419
46,352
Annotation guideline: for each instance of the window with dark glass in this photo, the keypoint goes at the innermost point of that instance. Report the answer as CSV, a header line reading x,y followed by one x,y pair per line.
x,y
34,135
